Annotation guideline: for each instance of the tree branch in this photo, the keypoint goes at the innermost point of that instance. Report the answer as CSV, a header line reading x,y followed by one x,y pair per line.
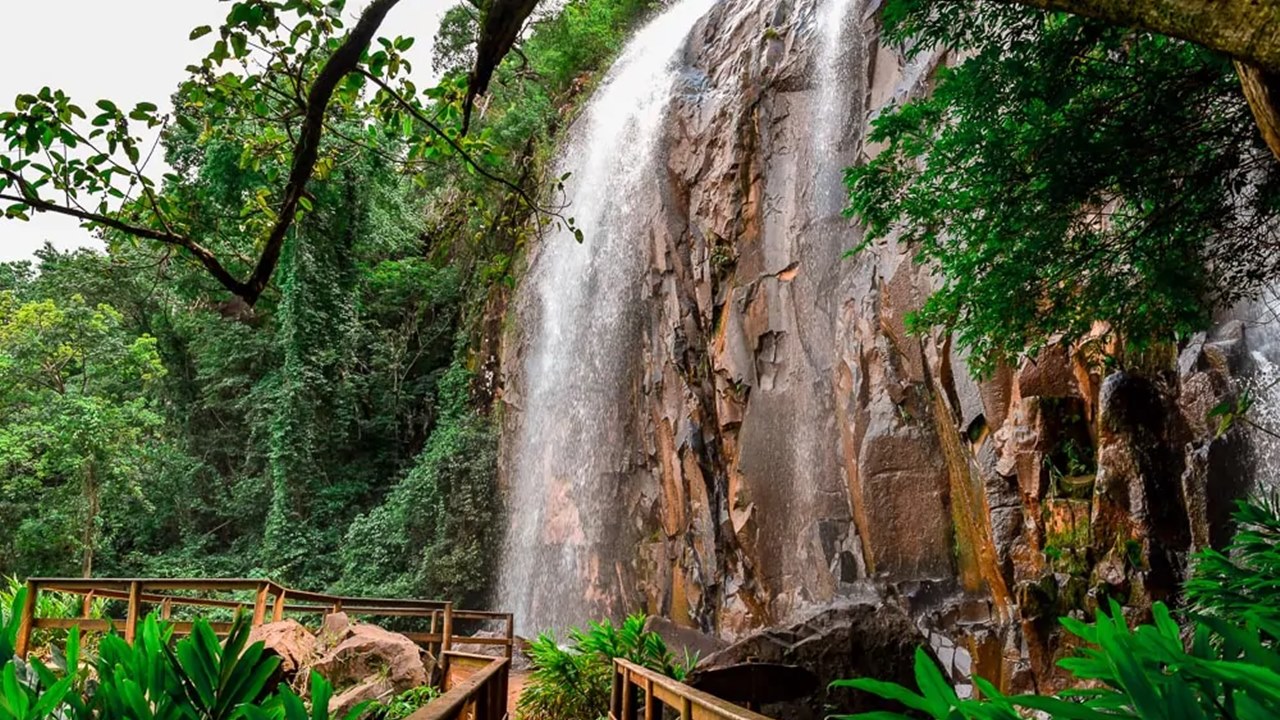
x,y
422,117
207,259
307,151
1247,30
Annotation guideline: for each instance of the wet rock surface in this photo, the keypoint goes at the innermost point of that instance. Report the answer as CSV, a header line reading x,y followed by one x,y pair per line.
x,y
803,449
863,640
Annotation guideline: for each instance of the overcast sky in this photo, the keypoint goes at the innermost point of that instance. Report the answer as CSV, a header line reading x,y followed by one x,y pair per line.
x,y
129,51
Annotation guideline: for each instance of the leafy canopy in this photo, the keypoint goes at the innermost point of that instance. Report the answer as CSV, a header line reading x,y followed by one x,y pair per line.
x,y
1064,173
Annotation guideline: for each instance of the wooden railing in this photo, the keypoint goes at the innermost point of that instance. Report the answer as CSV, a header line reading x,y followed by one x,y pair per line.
x,y
638,690
140,594
476,687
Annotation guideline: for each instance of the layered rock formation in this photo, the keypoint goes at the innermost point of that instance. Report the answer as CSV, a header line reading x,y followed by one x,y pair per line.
x,y
794,445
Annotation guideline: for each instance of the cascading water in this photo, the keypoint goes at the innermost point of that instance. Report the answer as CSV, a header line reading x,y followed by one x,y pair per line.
x,y
1262,332
576,441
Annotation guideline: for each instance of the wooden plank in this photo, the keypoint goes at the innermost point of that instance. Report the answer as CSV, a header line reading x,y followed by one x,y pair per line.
x,y
628,695
85,624
185,627
26,621
135,607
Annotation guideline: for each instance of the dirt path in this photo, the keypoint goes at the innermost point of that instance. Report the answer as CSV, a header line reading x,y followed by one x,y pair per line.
x,y
515,686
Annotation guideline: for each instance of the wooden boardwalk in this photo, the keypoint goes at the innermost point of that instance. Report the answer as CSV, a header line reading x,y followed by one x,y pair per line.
x,y
475,687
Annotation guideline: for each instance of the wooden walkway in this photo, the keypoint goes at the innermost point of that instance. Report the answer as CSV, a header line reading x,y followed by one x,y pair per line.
x,y
476,687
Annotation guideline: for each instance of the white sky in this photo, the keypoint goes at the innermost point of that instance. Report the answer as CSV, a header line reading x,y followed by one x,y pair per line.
x,y
130,51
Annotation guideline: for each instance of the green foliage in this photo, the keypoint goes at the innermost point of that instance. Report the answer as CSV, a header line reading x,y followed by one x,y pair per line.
x,y
407,703
573,683
1228,671
196,678
330,435
75,423
1245,580
435,533
1065,172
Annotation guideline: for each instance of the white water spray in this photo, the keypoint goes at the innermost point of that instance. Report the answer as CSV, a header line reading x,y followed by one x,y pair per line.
x,y
576,441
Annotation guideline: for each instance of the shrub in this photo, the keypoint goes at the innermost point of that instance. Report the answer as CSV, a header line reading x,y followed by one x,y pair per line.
x,y
1145,673
573,682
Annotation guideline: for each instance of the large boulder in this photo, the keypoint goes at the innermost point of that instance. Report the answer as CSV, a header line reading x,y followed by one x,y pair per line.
x,y
289,641
365,662
847,641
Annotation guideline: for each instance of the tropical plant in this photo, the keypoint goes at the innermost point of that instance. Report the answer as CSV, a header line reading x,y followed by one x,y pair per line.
x,y
196,678
1244,580
1228,672
573,682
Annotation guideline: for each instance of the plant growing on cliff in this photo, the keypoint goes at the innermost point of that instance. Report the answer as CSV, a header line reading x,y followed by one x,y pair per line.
x,y
573,682
1066,172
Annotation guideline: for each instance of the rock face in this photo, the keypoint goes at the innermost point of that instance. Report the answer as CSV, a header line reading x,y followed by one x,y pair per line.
x,y
802,448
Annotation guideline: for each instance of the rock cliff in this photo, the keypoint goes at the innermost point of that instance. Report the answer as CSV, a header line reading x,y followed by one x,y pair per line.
x,y
795,446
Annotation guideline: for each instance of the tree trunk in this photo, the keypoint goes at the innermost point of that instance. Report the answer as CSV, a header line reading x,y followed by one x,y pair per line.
x,y
1262,90
91,519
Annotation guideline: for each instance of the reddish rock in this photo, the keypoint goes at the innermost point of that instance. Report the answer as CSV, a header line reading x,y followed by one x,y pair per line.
x,y
368,651
289,641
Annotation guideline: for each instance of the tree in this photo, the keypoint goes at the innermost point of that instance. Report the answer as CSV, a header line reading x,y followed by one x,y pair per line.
x,y
74,421
1245,30
1068,172
283,75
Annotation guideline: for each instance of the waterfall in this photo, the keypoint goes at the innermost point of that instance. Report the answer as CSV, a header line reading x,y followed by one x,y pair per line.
x,y
1261,318
582,304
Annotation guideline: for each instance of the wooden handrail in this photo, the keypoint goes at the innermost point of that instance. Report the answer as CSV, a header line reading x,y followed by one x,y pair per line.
x,y
638,690
477,695
270,599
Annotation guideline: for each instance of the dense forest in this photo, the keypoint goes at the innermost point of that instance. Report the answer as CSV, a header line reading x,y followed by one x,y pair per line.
x,y
336,433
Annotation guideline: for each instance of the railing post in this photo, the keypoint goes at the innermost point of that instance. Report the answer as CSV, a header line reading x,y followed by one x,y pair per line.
x,y
277,610
615,693
686,709
435,614
503,691
511,636
446,642
27,621
648,699
135,605
260,605
166,609
628,698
